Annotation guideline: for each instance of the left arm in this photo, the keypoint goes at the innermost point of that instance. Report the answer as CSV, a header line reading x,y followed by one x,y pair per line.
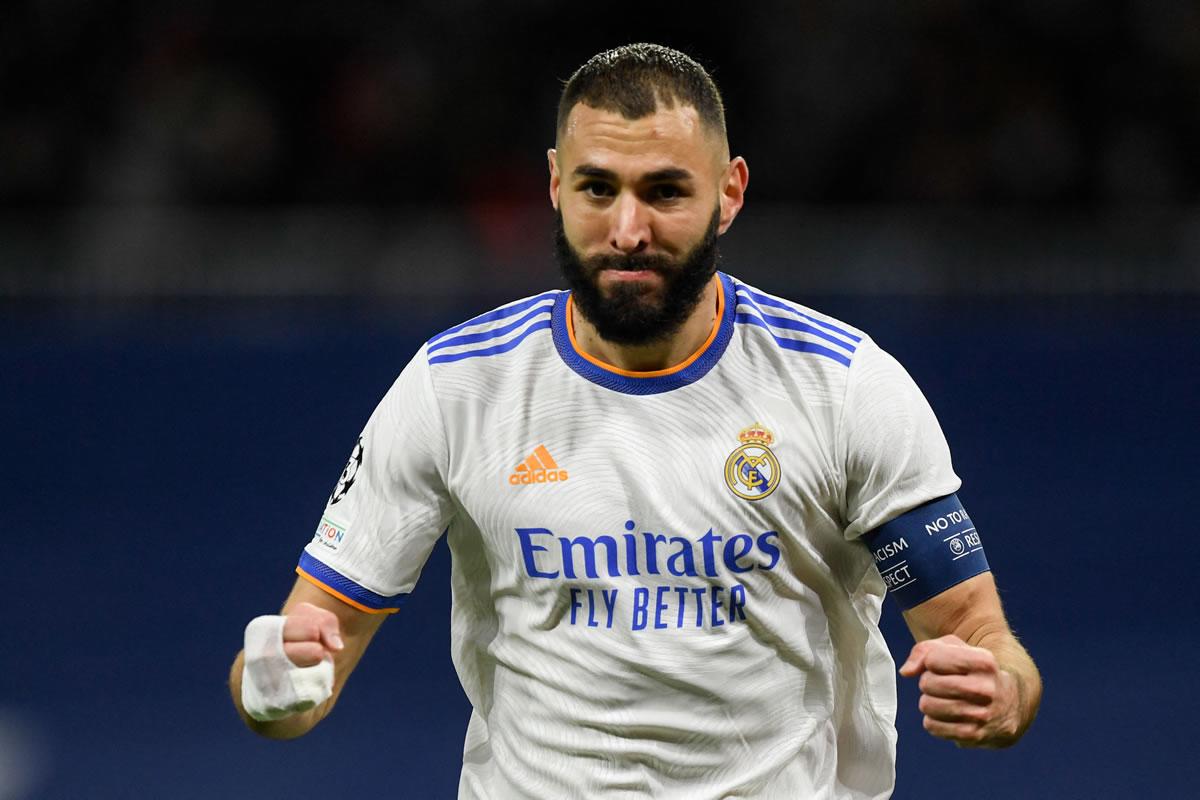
x,y
979,687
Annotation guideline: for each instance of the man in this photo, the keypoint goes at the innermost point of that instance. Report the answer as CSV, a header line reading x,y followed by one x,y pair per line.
x,y
674,504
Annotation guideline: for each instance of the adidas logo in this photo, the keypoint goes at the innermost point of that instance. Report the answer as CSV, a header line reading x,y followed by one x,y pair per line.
x,y
539,467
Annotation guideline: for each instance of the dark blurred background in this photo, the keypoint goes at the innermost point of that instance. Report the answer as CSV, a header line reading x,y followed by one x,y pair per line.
x,y
225,227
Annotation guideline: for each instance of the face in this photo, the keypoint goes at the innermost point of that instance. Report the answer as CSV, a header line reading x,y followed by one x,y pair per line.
x,y
640,205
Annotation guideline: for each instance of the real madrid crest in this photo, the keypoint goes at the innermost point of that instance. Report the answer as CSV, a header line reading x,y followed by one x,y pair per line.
x,y
752,470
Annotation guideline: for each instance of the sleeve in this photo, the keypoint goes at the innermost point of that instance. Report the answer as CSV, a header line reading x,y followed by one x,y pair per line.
x,y
894,454
390,503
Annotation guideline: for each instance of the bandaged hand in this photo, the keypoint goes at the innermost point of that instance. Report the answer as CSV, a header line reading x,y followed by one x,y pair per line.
x,y
289,662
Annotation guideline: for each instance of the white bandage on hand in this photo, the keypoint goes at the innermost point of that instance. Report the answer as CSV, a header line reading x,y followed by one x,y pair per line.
x,y
272,686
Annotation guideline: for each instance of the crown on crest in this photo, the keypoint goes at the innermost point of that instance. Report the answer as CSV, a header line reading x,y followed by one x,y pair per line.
x,y
756,434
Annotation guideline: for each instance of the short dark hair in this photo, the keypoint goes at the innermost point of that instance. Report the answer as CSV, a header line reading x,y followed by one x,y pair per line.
x,y
632,80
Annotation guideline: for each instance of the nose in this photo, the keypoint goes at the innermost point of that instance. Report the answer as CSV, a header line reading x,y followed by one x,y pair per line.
x,y
630,225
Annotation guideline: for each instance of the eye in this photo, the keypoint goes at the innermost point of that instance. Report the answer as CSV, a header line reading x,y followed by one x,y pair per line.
x,y
667,191
596,189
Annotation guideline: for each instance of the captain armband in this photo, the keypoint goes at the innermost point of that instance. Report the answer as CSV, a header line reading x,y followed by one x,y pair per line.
x,y
925,551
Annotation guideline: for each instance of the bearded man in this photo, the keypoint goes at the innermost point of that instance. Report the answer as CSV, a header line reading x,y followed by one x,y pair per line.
x,y
674,504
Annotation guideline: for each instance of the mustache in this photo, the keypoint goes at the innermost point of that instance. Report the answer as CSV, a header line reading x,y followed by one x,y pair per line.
x,y
630,263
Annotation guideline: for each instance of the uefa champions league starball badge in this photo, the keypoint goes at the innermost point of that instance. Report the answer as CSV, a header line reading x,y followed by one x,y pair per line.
x,y
348,474
752,470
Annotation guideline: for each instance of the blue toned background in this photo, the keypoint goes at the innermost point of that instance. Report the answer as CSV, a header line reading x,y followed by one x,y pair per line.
x,y
166,464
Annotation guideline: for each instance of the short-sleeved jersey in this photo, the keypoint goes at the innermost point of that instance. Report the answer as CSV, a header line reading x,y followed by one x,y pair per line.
x,y
658,584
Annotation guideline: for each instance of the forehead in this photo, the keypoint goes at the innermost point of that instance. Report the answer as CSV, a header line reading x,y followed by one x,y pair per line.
x,y
668,137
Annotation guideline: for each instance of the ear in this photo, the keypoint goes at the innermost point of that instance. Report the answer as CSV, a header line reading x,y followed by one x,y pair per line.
x,y
733,191
552,158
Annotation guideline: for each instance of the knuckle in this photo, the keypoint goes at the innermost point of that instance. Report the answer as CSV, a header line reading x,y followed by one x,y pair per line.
x,y
298,655
309,651
978,714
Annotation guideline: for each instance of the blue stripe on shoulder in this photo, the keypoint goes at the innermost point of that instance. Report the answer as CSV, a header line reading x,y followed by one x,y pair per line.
x,y
794,344
340,583
787,323
766,300
540,325
499,313
491,333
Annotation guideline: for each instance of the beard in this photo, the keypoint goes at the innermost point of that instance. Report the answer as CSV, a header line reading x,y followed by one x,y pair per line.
x,y
629,314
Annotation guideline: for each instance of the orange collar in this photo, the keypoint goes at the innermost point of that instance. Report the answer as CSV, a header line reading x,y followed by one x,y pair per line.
x,y
654,373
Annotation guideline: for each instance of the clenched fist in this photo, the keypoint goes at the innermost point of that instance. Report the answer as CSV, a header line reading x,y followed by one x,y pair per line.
x,y
965,696
310,635
289,662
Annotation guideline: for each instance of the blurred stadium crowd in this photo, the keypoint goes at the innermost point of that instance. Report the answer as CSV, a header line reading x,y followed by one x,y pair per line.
x,y
217,148
216,102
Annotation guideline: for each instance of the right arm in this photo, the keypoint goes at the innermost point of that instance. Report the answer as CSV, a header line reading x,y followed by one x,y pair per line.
x,y
386,512
316,622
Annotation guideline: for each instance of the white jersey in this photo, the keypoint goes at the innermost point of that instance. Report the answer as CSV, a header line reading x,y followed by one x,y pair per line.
x,y
658,590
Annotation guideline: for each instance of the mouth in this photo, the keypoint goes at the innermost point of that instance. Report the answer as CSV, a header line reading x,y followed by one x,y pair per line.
x,y
629,274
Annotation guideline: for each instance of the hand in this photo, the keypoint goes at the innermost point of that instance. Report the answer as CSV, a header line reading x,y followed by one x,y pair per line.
x,y
965,696
288,663
310,635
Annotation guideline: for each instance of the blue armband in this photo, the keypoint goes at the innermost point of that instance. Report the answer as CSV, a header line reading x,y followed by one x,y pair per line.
x,y
927,550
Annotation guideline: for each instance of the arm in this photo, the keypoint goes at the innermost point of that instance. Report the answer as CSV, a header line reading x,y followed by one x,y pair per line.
x,y
316,622
979,687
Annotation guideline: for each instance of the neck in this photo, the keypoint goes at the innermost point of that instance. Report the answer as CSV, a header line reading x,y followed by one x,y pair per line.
x,y
681,346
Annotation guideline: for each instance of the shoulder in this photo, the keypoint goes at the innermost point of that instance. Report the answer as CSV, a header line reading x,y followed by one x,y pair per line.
x,y
795,329
497,332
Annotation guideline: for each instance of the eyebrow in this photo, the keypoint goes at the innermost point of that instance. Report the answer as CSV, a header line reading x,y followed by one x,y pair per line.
x,y
658,176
